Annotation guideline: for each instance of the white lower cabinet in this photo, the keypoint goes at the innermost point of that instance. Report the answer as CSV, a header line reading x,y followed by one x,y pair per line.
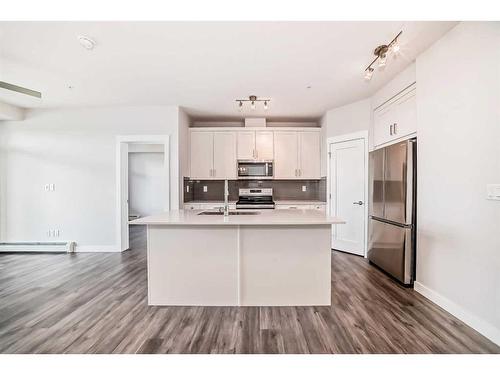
x,y
395,119
232,206
301,206
207,206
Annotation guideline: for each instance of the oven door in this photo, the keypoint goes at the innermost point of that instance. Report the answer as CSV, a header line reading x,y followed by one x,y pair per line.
x,y
255,170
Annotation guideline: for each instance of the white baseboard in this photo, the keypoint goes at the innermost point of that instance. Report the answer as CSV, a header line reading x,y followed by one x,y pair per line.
x,y
484,328
97,249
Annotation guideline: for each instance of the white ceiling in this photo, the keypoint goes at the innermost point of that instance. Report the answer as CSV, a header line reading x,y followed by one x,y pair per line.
x,y
204,66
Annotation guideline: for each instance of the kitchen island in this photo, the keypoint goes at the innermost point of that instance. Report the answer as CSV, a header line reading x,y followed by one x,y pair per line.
x,y
249,258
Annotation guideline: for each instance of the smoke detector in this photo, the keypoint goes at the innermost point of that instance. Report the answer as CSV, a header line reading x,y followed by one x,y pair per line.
x,y
86,42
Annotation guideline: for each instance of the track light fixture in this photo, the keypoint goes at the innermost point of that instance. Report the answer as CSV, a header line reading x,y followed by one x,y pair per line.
x,y
381,53
253,99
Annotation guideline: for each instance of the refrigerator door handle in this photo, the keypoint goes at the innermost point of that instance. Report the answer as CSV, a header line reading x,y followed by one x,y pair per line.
x,y
382,220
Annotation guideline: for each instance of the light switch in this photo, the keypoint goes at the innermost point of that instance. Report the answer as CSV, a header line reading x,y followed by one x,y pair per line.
x,y
493,192
304,188
205,188
52,187
46,187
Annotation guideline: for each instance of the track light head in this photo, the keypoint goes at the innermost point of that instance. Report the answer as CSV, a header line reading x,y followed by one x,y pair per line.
x,y
368,74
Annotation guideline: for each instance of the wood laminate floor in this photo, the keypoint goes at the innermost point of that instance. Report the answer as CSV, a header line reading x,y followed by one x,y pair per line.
x,y
97,303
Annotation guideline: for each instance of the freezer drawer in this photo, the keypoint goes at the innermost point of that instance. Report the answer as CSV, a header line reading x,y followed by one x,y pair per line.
x,y
391,248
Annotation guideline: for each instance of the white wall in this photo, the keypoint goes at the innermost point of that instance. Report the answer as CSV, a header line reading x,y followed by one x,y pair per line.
x,y
146,183
344,120
75,150
458,109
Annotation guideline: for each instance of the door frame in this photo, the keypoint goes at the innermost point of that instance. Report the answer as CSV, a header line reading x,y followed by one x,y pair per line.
x,y
122,143
363,134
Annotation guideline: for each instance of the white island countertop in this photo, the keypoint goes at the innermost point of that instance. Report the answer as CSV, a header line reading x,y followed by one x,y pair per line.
x,y
264,217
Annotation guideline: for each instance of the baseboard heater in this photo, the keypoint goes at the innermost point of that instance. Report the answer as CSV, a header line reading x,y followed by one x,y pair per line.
x,y
37,247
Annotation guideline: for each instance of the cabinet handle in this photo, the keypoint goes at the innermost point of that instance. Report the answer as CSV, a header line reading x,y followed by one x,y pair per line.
x,y
300,172
395,128
390,129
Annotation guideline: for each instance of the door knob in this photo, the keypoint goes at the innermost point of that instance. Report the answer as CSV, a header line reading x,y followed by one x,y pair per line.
x,y
358,202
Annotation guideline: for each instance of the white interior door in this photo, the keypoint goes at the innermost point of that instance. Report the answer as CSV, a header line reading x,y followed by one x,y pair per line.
x,y
347,189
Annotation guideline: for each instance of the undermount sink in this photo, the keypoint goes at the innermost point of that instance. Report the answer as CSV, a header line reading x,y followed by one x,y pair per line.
x,y
230,213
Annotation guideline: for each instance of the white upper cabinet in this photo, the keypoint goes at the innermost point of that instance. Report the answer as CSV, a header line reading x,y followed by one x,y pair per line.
x,y
224,165
297,155
309,155
201,154
213,155
264,145
246,145
286,152
255,145
396,119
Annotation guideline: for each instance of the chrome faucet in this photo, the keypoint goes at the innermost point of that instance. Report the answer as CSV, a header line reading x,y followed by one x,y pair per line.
x,y
226,198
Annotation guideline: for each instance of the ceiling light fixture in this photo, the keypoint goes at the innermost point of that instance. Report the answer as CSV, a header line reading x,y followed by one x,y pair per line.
x,y
381,53
253,99
86,42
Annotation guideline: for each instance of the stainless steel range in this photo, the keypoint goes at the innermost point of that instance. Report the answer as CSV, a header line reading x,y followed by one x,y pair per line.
x,y
256,198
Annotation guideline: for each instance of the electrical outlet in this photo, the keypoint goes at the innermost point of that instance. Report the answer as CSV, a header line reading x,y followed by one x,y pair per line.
x,y
304,188
46,187
493,191
205,188
52,187
53,233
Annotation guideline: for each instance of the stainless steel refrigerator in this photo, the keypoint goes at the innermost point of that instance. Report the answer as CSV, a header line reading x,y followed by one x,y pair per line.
x,y
392,224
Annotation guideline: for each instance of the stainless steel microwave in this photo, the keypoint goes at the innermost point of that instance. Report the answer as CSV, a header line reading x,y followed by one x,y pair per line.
x,y
255,170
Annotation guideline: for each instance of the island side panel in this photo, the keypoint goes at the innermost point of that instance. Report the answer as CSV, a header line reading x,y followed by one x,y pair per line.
x,y
285,265
193,265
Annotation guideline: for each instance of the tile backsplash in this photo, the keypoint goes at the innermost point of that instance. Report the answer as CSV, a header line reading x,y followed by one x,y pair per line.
x,y
282,189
